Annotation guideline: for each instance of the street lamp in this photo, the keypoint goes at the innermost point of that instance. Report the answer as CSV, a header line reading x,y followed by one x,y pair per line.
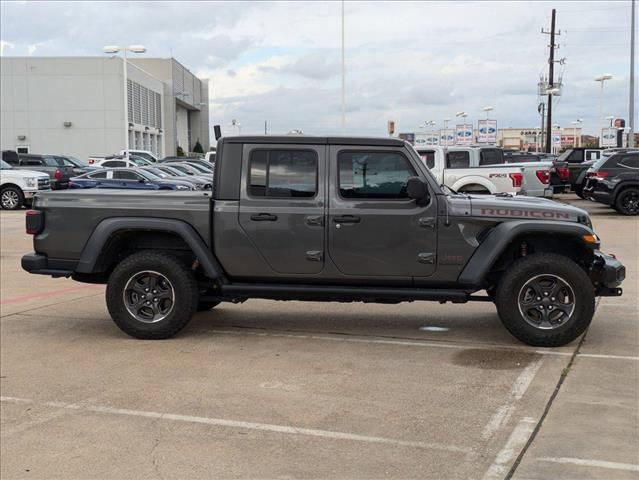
x,y
488,109
113,49
236,124
574,131
601,79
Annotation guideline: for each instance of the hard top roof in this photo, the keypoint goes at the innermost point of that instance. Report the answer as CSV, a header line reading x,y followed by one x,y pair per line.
x,y
306,140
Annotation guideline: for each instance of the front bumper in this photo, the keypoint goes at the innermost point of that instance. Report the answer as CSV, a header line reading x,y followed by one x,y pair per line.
x,y
607,274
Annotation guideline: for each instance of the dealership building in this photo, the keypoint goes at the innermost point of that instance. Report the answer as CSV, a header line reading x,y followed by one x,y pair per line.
x,y
76,105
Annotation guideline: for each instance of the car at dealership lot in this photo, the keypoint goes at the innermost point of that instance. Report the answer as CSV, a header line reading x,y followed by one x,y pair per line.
x,y
127,178
614,181
79,167
59,175
559,173
281,204
118,161
18,186
147,155
203,182
575,157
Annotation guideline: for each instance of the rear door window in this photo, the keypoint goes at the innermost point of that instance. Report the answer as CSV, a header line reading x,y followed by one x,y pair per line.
x,y
283,173
577,156
373,175
458,160
491,156
114,163
629,161
125,175
33,161
98,175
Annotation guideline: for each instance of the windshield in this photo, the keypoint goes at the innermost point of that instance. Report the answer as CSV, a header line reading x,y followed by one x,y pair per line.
x,y
76,162
181,168
146,174
144,155
138,160
4,165
599,163
174,171
199,168
157,172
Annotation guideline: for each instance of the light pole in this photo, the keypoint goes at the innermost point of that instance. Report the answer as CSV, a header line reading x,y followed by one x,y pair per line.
x,y
488,109
574,131
343,77
601,79
133,49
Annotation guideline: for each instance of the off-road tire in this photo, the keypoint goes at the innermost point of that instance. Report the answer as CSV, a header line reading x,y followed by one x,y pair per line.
x,y
183,284
620,206
526,269
205,306
17,198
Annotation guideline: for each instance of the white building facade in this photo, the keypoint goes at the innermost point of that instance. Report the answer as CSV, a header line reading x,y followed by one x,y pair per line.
x,y
75,106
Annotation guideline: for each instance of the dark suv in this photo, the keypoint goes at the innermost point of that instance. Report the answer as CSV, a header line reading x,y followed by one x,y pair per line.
x,y
614,181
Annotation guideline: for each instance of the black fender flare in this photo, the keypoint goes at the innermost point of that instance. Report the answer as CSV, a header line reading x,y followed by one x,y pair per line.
x,y
501,237
109,226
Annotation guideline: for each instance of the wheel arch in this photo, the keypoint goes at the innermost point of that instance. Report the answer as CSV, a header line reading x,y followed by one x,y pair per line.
x,y
622,187
504,243
113,234
474,180
11,184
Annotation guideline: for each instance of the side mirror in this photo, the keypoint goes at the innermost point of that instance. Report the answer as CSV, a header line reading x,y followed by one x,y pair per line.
x,y
417,189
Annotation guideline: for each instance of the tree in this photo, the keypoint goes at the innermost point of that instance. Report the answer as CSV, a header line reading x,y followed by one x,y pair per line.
x,y
198,147
179,151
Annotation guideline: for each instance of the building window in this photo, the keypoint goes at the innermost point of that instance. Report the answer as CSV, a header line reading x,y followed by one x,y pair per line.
x,y
137,118
129,99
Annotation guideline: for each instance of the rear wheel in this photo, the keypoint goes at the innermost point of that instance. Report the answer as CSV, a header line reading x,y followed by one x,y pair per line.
x,y
627,202
11,198
151,295
545,300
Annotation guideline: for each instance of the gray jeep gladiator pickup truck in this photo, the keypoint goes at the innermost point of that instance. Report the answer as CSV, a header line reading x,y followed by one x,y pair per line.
x,y
324,219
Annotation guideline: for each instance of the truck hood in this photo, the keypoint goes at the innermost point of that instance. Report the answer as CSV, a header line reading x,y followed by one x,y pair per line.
x,y
19,173
525,207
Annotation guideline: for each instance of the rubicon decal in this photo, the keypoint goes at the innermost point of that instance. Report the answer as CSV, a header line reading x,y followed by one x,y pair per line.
x,y
515,212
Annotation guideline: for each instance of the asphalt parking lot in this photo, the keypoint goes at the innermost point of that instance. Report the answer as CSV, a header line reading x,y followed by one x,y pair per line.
x,y
309,390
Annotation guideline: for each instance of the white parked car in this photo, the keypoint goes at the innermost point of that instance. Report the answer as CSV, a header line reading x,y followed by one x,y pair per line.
x,y
17,186
145,154
210,156
117,162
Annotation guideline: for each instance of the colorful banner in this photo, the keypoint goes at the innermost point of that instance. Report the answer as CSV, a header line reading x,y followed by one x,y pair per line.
x,y
487,131
556,138
463,134
447,137
608,137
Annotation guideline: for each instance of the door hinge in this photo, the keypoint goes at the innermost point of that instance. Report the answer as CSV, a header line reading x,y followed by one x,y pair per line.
x,y
429,222
314,256
426,258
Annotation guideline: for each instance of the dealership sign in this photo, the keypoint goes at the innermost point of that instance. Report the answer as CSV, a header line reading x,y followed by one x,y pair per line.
x,y
447,137
463,134
426,139
608,137
556,138
487,131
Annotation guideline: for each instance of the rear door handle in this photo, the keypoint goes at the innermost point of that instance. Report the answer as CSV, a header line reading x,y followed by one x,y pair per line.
x,y
264,217
347,219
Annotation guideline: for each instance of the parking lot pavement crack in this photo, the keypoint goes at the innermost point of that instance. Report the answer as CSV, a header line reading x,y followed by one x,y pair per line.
x,y
547,408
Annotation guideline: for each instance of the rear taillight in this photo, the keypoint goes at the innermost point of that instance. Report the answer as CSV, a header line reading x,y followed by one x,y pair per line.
x,y
563,173
543,176
516,178
91,161
600,174
34,222
58,174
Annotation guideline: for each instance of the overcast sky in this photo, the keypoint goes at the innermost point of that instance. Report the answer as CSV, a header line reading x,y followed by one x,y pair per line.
x,y
407,61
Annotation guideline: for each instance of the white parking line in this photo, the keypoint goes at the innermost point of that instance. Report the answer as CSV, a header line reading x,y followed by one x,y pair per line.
x,y
517,391
513,446
631,467
220,422
418,343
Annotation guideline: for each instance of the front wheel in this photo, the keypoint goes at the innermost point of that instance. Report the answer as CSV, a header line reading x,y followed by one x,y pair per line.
x,y
545,300
11,198
627,202
151,295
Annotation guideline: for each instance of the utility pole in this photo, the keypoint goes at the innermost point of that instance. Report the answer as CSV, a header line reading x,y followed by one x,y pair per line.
x,y
265,129
631,116
551,71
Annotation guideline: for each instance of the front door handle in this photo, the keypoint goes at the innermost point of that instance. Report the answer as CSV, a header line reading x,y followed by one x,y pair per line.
x,y
347,219
264,217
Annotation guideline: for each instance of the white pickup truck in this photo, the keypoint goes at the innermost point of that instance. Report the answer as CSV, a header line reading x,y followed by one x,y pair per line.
x,y
17,186
482,170
457,169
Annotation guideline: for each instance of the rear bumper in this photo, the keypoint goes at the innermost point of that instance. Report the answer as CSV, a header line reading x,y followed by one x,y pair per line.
x,y
607,275
39,264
